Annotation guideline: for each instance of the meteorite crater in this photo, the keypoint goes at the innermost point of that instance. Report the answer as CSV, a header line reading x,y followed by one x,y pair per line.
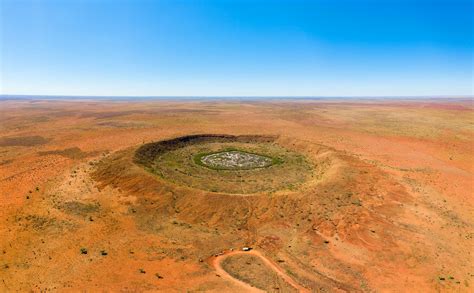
x,y
245,164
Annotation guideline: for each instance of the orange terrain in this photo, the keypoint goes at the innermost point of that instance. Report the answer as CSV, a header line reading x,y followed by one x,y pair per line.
x,y
378,196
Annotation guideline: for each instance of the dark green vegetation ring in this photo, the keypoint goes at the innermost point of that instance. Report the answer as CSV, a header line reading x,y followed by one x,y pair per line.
x,y
225,163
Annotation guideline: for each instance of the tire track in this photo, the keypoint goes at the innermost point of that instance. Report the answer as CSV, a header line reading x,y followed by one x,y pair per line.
x,y
217,261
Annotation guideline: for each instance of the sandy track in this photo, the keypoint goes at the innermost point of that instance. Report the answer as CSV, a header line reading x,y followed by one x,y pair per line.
x,y
217,261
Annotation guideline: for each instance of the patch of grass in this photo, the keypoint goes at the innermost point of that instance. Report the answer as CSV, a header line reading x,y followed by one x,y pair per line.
x,y
26,141
79,208
71,153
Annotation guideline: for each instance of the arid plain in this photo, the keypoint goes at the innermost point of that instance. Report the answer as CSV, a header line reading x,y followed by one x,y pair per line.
x,y
368,195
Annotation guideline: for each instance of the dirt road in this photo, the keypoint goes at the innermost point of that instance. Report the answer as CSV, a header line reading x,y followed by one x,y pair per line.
x,y
216,262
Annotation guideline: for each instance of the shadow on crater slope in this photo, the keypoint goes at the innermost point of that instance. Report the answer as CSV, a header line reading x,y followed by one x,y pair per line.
x,y
146,154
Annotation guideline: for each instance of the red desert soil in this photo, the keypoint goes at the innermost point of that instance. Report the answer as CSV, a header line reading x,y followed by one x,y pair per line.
x,y
389,208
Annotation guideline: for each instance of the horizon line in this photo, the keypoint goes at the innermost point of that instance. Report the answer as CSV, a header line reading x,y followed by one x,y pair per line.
x,y
241,96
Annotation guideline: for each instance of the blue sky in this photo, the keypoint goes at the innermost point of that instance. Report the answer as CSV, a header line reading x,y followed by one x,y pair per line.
x,y
237,48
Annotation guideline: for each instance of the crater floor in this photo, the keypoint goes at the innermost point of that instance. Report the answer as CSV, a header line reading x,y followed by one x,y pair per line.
x,y
234,160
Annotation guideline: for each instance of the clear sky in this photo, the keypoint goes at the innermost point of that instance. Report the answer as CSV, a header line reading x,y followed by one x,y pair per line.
x,y
237,48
